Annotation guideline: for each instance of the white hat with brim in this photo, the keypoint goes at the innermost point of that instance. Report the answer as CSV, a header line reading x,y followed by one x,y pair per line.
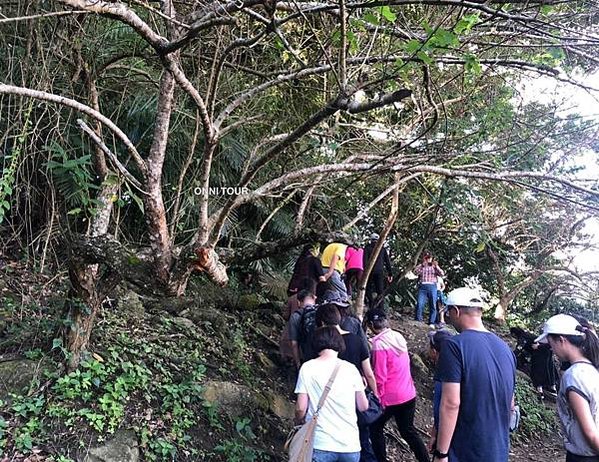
x,y
560,324
464,296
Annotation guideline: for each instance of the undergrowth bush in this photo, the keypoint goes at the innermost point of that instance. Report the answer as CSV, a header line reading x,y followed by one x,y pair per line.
x,y
537,420
147,376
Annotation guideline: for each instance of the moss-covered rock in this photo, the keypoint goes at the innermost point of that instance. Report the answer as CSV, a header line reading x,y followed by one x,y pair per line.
x,y
17,375
122,447
250,301
234,399
130,305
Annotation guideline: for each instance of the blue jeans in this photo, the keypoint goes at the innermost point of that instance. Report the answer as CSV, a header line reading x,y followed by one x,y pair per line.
x,y
330,456
427,292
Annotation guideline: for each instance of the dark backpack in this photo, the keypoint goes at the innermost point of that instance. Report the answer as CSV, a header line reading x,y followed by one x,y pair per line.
x,y
307,327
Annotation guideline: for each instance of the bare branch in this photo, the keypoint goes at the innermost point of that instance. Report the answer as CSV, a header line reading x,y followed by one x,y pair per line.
x,y
119,166
44,96
43,15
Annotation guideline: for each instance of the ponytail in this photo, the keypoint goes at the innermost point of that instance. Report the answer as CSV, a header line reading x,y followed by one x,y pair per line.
x,y
590,347
588,344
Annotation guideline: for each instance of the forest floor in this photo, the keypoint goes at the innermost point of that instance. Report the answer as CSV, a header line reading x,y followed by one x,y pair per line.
x,y
193,379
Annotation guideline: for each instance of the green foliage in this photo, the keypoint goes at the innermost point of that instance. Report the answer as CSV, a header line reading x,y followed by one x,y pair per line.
x,y
8,176
3,428
74,179
239,449
536,419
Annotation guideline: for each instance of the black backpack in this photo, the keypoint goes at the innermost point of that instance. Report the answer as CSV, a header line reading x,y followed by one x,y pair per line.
x,y
306,331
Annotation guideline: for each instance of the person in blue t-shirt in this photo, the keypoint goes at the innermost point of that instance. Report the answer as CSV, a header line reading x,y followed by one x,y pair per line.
x,y
478,374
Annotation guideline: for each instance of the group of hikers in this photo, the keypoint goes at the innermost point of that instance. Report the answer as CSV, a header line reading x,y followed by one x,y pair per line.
x,y
473,401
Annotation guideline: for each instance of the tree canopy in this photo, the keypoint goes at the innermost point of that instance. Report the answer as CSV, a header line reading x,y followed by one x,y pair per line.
x,y
121,120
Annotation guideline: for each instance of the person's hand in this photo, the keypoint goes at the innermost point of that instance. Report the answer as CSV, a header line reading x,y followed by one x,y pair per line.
x,y
435,263
298,421
389,279
535,346
322,279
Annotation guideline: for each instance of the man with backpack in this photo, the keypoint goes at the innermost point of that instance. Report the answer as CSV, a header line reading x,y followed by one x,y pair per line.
x,y
302,324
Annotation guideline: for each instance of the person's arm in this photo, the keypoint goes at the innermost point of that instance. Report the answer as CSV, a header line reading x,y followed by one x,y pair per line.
x,y
332,266
301,407
450,406
369,376
379,363
295,351
361,401
418,270
315,268
438,270
387,262
294,324
582,413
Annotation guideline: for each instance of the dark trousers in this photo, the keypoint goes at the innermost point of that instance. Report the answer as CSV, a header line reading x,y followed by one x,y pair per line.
x,y
366,454
404,418
352,278
376,284
574,458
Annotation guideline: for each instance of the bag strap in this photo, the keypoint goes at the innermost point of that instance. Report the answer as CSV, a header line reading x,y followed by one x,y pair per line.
x,y
325,393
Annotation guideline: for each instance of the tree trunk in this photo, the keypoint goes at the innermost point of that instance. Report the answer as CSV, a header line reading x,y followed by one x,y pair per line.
x,y
160,241
391,219
82,310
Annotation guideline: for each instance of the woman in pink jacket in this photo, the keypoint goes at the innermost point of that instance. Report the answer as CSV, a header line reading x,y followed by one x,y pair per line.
x,y
397,393
354,267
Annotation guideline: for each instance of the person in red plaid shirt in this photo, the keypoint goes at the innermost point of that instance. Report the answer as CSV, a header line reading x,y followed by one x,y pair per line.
x,y
427,272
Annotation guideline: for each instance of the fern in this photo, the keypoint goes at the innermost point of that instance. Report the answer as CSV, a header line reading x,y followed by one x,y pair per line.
x,y
73,179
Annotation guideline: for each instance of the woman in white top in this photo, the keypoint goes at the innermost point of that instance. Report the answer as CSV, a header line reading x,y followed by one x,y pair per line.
x,y
578,399
336,438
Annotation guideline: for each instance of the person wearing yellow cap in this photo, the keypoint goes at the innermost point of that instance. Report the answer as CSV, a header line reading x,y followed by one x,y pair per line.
x,y
578,398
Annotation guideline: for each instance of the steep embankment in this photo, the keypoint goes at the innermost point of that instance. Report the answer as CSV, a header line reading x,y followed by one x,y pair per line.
x,y
189,379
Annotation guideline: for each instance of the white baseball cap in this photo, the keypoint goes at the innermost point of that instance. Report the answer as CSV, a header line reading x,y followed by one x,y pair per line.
x,y
561,324
464,296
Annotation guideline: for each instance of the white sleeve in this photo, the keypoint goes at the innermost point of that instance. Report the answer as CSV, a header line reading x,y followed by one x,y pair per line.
x,y
300,386
356,380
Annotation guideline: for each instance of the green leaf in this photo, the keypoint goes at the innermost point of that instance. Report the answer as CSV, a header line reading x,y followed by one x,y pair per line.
x,y
75,211
465,24
472,64
480,247
412,46
444,38
371,18
557,53
388,14
56,343
424,57
427,28
546,9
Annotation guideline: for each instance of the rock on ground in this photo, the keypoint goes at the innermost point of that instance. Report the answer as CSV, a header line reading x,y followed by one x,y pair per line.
x,y
122,447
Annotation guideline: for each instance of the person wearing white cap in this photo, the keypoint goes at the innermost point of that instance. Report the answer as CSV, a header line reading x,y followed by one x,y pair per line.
x,y
578,398
478,374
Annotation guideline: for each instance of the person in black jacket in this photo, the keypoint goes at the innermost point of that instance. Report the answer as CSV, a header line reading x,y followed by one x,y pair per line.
x,y
376,281
542,370
307,266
